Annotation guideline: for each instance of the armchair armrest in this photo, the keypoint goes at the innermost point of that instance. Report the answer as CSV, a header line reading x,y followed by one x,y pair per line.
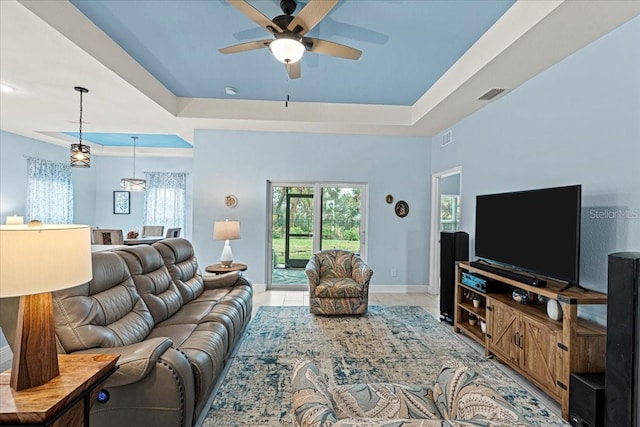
x,y
310,396
226,280
136,360
361,272
312,271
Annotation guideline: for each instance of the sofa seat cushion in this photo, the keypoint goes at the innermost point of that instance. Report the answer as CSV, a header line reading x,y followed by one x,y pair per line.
x,y
384,400
338,287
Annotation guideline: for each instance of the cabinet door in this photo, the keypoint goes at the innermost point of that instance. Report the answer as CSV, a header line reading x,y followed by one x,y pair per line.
x,y
503,326
541,357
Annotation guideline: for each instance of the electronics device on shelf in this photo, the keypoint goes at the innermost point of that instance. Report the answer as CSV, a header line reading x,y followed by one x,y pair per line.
x,y
536,232
529,280
483,284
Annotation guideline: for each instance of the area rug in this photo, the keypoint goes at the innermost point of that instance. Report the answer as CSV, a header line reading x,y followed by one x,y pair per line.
x,y
402,344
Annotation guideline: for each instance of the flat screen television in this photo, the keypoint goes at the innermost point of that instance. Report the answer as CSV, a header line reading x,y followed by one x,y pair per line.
x,y
537,231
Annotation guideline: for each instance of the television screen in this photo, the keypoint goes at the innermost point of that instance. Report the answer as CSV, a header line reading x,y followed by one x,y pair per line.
x,y
537,231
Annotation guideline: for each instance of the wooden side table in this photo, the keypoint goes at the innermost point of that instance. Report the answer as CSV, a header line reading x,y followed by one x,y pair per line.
x,y
65,400
221,269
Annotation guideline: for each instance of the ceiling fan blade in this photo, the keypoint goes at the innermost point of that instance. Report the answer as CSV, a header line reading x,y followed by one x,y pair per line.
x,y
311,15
330,48
243,47
293,70
255,15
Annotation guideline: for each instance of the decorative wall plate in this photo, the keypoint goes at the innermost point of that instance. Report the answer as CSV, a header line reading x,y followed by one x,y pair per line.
x,y
402,209
230,201
389,198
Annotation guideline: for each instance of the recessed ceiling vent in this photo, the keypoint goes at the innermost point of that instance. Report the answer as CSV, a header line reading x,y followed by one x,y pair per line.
x,y
447,138
492,93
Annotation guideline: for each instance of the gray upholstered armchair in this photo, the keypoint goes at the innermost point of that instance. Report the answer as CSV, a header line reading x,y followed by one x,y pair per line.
x,y
338,283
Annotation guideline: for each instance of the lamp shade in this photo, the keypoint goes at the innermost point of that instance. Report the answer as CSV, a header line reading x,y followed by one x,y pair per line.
x,y
133,184
43,258
226,230
287,50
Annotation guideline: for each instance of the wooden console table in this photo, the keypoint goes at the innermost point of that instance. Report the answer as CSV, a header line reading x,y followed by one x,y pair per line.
x,y
543,350
65,400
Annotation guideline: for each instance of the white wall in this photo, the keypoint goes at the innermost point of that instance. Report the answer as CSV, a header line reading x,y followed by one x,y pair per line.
x,y
576,123
240,163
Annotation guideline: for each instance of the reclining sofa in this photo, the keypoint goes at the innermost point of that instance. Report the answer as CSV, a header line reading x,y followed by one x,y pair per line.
x,y
459,398
173,329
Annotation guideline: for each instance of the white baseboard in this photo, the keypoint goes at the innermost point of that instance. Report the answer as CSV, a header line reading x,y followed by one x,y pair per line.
x,y
5,358
259,287
399,289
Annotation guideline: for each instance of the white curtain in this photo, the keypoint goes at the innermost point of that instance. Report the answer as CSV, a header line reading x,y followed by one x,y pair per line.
x,y
49,192
165,199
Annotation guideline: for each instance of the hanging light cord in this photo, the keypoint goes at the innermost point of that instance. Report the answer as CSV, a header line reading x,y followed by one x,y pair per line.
x,y
80,137
134,155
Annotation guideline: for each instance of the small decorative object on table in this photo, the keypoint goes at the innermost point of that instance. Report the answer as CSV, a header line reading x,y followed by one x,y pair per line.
x,y
133,234
483,326
476,301
554,309
472,319
520,295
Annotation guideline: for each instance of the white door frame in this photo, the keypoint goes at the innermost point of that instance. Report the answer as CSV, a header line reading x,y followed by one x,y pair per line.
x,y
434,247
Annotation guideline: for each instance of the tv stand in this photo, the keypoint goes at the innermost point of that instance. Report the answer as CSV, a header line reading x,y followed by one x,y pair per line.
x,y
523,336
569,286
529,280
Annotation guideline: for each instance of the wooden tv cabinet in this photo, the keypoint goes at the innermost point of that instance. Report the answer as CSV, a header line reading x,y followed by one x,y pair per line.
x,y
543,350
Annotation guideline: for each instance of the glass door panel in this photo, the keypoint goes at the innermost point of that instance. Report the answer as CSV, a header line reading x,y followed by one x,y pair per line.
x,y
340,226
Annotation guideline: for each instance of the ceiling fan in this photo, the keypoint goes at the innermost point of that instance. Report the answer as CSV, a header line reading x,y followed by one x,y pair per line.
x,y
289,43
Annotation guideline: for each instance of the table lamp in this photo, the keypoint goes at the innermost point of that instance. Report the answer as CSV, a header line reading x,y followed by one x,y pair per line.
x,y
35,260
226,230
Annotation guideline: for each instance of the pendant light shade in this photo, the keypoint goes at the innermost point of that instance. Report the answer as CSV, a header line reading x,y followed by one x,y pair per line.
x,y
80,156
133,183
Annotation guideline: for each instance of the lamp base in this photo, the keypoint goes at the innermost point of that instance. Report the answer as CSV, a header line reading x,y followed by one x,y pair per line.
x,y
227,264
35,359
226,258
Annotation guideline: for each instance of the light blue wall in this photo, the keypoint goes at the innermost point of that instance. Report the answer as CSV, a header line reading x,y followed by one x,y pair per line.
x,y
14,150
240,163
112,169
576,123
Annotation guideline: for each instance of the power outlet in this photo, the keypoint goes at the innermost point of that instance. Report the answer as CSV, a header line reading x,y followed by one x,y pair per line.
x,y
394,272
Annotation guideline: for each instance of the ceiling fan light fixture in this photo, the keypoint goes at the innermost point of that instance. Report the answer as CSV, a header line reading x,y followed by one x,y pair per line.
x,y
287,50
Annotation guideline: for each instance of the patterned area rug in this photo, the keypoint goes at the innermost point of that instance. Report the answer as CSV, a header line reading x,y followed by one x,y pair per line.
x,y
402,344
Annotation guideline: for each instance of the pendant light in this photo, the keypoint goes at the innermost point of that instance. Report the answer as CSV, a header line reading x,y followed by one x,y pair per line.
x,y
80,154
133,184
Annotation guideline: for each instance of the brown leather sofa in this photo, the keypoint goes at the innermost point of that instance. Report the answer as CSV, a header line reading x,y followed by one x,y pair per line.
x,y
173,329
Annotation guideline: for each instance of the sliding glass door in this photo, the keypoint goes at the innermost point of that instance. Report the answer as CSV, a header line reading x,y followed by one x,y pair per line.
x,y
308,217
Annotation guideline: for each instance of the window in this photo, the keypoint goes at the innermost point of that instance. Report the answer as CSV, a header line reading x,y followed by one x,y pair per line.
x,y
165,199
49,192
449,212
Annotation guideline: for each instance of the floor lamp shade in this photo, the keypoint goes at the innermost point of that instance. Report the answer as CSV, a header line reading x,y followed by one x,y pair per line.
x,y
226,230
35,261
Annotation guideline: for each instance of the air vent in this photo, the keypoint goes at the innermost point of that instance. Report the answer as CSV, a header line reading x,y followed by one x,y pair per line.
x,y
447,138
492,93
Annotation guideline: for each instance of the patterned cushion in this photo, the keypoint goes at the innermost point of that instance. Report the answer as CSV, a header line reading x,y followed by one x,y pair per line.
x,y
335,263
336,287
461,394
382,400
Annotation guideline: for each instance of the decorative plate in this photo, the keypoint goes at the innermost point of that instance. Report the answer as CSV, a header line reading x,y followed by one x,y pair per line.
x,y
389,198
402,209
230,201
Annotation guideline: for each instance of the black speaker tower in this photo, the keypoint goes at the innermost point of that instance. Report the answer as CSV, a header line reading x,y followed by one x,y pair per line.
x,y
454,246
623,340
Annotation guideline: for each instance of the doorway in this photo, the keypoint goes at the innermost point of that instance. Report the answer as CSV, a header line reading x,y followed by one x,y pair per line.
x,y
446,196
306,217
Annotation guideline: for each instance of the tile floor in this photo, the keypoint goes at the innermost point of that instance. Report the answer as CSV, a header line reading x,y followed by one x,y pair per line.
x,y
431,303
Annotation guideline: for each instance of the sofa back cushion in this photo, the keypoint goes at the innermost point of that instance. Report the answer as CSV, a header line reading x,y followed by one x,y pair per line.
x,y
152,280
105,312
180,259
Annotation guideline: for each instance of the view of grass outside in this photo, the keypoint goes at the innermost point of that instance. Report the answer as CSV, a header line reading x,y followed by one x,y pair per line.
x,y
300,248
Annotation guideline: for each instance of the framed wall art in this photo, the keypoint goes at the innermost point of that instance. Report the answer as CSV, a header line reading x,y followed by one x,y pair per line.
x,y
121,203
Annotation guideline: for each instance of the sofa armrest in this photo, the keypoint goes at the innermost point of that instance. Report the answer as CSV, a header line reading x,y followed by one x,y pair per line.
x,y
312,270
136,360
226,280
463,395
361,272
409,422
310,396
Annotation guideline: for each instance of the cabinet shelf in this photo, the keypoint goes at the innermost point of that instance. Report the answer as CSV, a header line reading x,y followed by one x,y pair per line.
x,y
480,312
